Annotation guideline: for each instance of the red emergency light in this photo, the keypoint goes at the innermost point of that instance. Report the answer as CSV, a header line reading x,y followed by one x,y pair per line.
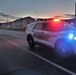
x,y
56,24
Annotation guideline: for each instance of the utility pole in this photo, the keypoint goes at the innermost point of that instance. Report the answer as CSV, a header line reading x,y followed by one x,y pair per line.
x,y
75,11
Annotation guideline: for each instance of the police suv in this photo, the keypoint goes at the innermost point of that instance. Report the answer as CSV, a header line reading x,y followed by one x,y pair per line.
x,y
54,33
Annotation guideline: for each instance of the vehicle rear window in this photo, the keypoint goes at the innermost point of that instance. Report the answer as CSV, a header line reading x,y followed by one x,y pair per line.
x,y
38,26
60,26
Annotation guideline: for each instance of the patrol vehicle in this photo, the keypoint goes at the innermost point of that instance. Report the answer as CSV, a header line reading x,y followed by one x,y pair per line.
x,y
54,33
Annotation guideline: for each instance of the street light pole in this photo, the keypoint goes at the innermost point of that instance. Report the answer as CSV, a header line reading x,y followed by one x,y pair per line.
x,y
75,10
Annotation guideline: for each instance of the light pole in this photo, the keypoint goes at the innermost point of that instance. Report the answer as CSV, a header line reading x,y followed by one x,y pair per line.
x,y
75,11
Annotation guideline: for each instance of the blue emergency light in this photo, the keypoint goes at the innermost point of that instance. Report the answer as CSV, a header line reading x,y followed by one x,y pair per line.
x,y
71,36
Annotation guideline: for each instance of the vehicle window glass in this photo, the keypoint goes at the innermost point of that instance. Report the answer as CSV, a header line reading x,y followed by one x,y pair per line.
x,y
67,27
38,26
60,26
29,26
46,27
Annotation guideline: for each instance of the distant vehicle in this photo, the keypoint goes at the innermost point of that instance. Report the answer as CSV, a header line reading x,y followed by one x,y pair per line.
x,y
54,33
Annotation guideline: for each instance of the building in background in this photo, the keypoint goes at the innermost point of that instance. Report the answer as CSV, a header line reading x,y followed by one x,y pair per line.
x,y
21,23
0,24
6,25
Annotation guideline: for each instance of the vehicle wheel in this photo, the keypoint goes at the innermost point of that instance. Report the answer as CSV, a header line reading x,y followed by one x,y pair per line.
x,y
31,42
64,49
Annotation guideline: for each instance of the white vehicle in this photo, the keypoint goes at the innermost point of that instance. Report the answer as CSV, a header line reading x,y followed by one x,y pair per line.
x,y
55,33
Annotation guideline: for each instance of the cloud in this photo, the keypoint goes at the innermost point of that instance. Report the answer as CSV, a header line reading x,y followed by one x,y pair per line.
x,y
8,16
63,16
69,15
2,20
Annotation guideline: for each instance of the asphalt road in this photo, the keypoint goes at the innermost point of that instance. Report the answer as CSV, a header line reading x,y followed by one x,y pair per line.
x,y
16,58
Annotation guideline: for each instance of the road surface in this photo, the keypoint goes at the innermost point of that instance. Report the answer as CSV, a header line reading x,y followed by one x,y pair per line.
x,y
16,58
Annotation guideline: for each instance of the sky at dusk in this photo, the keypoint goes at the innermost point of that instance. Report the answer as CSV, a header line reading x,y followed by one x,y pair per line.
x,y
36,8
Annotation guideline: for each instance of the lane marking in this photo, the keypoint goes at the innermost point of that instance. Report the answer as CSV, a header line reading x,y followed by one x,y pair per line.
x,y
44,59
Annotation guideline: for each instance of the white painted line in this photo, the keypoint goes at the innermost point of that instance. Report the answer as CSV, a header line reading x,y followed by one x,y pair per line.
x,y
50,62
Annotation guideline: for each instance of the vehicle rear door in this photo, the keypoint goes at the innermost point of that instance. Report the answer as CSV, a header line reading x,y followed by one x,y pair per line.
x,y
48,36
37,32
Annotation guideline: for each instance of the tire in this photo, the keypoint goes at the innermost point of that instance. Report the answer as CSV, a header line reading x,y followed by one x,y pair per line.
x,y
31,42
64,49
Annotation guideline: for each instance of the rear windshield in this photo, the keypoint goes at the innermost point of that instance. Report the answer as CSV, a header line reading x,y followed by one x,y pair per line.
x,y
59,26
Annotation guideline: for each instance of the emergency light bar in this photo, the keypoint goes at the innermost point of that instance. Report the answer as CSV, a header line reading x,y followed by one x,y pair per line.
x,y
56,20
